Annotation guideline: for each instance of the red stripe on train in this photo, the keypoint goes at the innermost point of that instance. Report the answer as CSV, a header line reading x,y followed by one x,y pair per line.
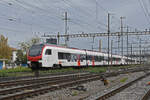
x,y
93,63
78,61
36,58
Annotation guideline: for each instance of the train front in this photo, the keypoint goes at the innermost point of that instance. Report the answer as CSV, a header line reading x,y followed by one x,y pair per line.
x,y
35,56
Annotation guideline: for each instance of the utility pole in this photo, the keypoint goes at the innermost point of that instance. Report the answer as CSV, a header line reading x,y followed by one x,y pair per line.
x,y
111,51
108,34
127,44
100,45
140,50
121,18
131,54
58,38
93,43
66,28
118,44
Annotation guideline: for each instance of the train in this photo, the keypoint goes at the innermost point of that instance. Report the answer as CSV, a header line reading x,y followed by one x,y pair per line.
x,y
53,56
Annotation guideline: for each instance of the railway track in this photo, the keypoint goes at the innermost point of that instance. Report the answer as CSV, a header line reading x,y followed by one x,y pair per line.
x,y
146,96
63,73
41,75
19,89
43,86
36,80
121,88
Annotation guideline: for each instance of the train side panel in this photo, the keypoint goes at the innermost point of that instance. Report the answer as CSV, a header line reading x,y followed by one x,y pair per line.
x,y
55,56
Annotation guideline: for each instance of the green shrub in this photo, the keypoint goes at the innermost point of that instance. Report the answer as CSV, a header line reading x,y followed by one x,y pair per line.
x,y
124,80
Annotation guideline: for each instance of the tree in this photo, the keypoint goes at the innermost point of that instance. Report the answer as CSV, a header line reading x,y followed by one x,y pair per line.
x,y
21,57
5,50
26,45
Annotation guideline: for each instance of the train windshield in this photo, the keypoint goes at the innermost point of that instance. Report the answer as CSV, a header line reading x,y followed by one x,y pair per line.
x,y
36,50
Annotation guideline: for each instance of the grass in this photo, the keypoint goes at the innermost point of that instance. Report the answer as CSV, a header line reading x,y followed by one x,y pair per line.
x,y
123,80
16,71
96,69
126,66
89,69
74,93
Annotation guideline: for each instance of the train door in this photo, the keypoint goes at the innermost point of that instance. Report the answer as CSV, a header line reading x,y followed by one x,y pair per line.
x,y
48,58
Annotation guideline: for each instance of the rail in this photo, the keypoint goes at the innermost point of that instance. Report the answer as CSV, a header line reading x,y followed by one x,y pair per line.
x,y
45,87
115,91
146,96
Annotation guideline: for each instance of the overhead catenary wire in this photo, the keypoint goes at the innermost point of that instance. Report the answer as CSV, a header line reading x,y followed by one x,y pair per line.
x,y
146,8
80,21
25,8
67,2
144,11
17,0
25,23
44,10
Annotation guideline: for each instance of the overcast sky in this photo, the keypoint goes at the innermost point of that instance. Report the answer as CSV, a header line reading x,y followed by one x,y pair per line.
x,y
20,20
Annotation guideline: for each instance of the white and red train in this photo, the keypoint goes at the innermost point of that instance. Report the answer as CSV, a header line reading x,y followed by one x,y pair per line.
x,y
49,56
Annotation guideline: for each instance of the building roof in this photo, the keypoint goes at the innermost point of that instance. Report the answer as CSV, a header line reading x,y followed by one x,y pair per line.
x,y
3,59
13,49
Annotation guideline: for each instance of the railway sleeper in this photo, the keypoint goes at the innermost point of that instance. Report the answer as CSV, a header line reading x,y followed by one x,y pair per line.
x,y
50,88
26,82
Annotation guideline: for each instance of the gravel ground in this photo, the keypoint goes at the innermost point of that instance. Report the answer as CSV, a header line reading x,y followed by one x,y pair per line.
x,y
134,92
89,90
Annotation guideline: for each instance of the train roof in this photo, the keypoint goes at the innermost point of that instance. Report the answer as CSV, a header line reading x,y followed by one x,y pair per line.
x,y
59,46
89,51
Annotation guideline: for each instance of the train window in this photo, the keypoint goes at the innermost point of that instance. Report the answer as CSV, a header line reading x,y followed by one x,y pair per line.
x,y
48,52
36,50
118,59
73,57
100,58
62,55
105,58
68,56
95,58
82,57
113,59
89,57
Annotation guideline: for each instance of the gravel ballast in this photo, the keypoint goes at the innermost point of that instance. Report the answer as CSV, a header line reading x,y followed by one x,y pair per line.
x,y
88,90
134,92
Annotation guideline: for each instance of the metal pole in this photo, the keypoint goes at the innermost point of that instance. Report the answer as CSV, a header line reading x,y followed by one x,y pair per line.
x,y
100,46
111,51
108,34
144,55
140,50
127,44
122,35
58,37
118,44
93,43
131,53
66,28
